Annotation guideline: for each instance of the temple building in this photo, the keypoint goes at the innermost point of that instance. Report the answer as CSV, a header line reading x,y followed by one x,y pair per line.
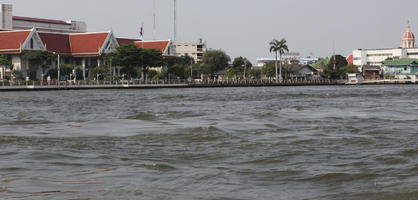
x,y
376,57
69,41
82,50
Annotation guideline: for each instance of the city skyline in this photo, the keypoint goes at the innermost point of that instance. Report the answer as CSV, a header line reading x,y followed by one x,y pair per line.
x,y
244,28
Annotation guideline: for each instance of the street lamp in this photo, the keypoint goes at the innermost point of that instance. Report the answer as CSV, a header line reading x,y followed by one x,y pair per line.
x,y
58,65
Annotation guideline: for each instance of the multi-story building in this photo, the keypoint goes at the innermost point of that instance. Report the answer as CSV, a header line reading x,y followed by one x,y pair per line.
x,y
196,50
10,22
376,57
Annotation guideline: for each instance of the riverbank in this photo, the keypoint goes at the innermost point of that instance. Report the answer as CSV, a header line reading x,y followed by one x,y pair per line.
x,y
153,85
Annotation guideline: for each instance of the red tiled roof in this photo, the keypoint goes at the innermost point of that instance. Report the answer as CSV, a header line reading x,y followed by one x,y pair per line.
x,y
350,59
10,41
123,41
76,44
161,45
53,21
54,42
87,42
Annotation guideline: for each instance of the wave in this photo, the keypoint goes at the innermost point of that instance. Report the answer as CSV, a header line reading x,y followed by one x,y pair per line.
x,y
340,177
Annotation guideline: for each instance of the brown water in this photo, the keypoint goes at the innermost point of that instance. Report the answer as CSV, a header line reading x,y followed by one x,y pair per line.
x,y
357,142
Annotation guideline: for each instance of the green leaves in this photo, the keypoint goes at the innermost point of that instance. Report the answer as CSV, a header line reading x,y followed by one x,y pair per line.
x,y
4,61
214,61
130,58
279,46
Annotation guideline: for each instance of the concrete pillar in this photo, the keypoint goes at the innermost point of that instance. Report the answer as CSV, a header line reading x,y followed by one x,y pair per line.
x,y
83,65
99,62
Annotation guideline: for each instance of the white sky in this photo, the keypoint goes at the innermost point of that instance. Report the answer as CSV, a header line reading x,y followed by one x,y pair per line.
x,y
244,27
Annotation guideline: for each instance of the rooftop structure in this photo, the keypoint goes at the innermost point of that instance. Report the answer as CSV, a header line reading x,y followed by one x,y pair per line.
x,y
376,57
195,50
10,22
408,39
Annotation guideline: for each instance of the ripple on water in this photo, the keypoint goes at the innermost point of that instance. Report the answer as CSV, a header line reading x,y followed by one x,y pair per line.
x,y
341,177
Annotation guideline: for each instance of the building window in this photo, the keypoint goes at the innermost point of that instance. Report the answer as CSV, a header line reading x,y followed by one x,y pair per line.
x,y
31,43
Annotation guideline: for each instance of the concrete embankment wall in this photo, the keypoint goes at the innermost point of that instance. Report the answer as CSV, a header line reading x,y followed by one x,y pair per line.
x,y
157,86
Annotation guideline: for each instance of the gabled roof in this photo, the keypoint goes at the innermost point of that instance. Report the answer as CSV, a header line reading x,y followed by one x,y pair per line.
x,y
10,41
56,42
296,68
350,59
401,62
86,43
161,45
75,44
123,41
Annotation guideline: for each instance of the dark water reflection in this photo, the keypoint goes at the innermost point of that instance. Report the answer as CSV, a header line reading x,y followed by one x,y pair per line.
x,y
229,143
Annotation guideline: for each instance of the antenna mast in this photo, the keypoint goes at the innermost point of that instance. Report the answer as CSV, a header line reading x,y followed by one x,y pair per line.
x,y
175,20
155,25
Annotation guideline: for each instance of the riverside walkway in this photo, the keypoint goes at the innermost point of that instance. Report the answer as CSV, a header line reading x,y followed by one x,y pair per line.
x,y
89,85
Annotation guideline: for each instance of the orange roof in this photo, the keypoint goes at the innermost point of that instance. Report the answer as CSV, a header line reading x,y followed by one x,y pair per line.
x,y
75,44
123,41
10,41
87,42
350,59
161,45
83,44
56,42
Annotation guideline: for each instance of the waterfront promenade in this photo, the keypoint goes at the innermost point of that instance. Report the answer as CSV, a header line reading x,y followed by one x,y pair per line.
x,y
89,85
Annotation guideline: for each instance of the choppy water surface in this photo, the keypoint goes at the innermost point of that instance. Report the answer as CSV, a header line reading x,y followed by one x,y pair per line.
x,y
356,142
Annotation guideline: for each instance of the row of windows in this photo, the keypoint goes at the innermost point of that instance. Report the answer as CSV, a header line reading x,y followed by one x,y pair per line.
x,y
379,55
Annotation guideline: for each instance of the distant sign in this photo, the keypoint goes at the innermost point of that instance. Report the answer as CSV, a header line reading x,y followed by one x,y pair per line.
x,y
291,54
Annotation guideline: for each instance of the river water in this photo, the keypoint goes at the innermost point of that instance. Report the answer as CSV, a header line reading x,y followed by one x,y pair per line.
x,y
325,142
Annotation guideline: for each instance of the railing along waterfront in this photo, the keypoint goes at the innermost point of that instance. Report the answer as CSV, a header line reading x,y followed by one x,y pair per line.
x,y
7,83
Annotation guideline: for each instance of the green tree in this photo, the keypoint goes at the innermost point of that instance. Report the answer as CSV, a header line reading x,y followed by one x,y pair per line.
x,y
65,70
5,63
151,58
38,60
337,67
278,47
129,57
214,61
269,70
255,73
186,60
100,72
178,71
241,65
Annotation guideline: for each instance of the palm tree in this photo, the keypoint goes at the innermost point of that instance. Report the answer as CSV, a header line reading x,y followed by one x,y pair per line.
x,y
278,47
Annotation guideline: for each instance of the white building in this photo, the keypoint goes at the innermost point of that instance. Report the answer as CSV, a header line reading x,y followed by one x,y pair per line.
x,y
375,57
10,22
196,50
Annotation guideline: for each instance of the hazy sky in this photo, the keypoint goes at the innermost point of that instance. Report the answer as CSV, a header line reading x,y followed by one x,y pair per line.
x,y
244,27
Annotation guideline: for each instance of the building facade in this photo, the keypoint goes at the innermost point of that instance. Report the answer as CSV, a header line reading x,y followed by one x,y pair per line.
x,y
9,22
376,57
404,66
82,50
196,50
